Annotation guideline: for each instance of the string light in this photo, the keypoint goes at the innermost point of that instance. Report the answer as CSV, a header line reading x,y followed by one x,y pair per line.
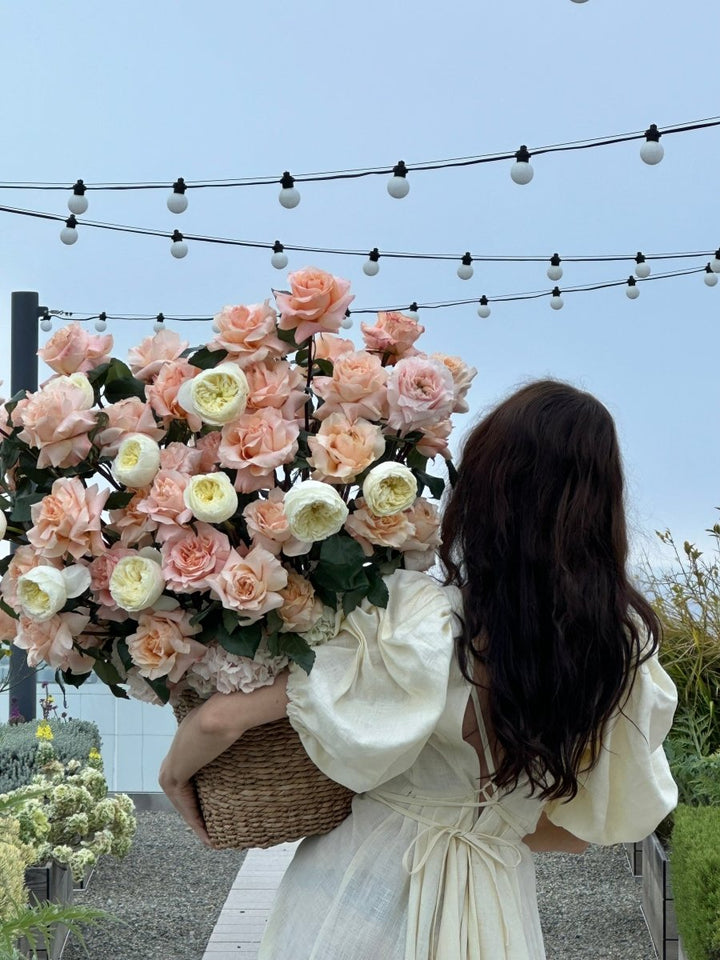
x,y
412,311
483,310
69,233
398,185
371,266
78,202
289,196
346,322
715,262
159,323
652,150
554,271
177,202
710,277
178,247
101,323
522,171
631,290
642,270
465,270
556,300
46,322
279,258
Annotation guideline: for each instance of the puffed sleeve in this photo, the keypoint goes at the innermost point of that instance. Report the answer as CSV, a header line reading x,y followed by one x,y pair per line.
x,y
377,690
630,790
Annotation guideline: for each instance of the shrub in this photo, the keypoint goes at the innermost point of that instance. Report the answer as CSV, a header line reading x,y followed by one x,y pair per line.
x,y
695,864
72,740
698,778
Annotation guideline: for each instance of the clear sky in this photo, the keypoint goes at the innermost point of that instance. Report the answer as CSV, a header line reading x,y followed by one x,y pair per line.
x,y
153,91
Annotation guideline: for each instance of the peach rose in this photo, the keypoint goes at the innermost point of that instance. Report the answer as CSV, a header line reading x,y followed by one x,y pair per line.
x,y
67,520
51,641
419,549
276,384
462,374
147,358
357,387
317,303
73,350
268,526
250,584
164,502
328,346
434,439
420,392
301,609
8,627
255,444
127,416
56,421
178,456
162,645
25,558
392,336
162,393
248,334
208,447
342,448
101,570
189,558
132,523
369,530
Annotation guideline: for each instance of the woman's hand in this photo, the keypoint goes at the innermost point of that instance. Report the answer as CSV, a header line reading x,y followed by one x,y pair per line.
x,y
184,798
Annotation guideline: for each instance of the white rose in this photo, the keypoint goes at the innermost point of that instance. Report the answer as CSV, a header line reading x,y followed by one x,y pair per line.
x,y
389,488
136,583
314,510
3,524
137,461
217,396
78,380
43,591
211,497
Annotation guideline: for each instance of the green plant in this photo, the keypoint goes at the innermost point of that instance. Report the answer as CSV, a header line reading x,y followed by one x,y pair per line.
x,y
698,778
72,739
695,864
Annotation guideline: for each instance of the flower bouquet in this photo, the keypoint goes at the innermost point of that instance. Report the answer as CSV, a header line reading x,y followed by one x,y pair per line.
x,y
192,521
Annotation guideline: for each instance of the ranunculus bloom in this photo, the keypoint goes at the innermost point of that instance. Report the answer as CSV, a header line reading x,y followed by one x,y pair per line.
x,y
162,393
178,456
43,591
225,672
369,530
419,549
146,359
342,449
434,439
420,392
136,582
248,334
250,584
51,641
165,500
328,346
25,558
189,558
137,461
389,488
317,303
217,395
392,336
255,444
73,349
130,415
315,510
268,526
211,497
56,421
67,520
275,383
462,374
356,388
301,609
162,645
131,523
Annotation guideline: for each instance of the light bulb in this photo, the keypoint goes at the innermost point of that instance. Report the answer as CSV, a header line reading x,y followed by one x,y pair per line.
x,y
412,311
715,262
279,258
465,270
177,201
346,322
371,267
556,301
289,197
159,323
178,247
215,326
554,271
652,150
69,234
46,324
710,277
521,171
642,269
101,323
78,201
631,290
579,1
483,310
398,185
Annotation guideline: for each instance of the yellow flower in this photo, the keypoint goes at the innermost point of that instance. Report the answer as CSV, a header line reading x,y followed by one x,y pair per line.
x,y
211,497
136,583
44,731
389,488
137,461
217,395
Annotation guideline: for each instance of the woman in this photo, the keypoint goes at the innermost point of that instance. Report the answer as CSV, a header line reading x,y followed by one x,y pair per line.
x,y
518,707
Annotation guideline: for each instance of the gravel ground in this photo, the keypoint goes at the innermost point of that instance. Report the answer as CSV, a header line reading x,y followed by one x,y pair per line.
x,y
170,891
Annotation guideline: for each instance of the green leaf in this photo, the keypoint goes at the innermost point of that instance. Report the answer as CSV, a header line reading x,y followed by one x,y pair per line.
x,y
160,687
122,388
205,359
119,499
9,610
74,679
243,642
415,459
295,647
325,367
21,508
97,375
378,594
120,692
287,336
353,598
200,615
107,672
230,620
341,550
452,472
436,485
124,653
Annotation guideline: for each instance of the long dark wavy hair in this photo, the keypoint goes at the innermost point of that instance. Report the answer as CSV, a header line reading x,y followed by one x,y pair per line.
x,y
534,534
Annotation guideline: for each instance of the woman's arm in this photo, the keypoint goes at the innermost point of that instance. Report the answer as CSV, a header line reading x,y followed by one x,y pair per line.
x,y
547,838
206,732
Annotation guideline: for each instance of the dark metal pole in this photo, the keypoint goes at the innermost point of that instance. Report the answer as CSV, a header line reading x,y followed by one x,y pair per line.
x,y
23,376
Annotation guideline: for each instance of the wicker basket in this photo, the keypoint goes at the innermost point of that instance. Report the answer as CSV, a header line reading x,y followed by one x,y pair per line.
x,y
265,789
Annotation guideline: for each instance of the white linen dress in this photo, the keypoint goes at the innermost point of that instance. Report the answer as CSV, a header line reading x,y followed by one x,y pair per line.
x,y
427,867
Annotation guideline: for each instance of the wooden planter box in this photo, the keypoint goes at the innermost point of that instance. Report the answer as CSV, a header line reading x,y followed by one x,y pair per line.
x,y
657,900
55,884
